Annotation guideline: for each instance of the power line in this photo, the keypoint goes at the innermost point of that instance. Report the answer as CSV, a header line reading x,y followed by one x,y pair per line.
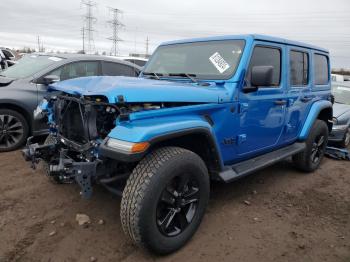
x,y
115,25
89,21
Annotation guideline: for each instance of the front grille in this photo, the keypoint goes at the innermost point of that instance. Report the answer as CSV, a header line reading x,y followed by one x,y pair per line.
x,y
80,120
72,123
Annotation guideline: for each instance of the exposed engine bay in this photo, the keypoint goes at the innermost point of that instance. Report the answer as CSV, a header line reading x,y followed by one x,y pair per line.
x,y
78,127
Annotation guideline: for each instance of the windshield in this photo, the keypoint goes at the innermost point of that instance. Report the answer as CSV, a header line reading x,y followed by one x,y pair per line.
x,y
29,65
203,60
341,93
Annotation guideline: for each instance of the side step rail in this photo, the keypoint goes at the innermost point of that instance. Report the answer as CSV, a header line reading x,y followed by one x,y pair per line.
x,y
249,166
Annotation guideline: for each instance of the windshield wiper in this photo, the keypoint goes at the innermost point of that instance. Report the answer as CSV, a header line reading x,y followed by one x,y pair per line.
x,y
157,75
189,76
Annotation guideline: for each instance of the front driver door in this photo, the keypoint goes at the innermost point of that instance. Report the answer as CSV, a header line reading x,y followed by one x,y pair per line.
x,y
262,112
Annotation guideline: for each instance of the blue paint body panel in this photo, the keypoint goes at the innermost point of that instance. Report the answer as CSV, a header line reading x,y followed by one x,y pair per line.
x,y
253,121
316,108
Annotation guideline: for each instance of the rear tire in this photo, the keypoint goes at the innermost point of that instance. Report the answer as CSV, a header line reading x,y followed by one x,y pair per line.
x,y
316,143
165,199
14,130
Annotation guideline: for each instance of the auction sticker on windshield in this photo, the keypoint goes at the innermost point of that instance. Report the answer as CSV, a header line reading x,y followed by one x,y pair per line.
x,y
219,62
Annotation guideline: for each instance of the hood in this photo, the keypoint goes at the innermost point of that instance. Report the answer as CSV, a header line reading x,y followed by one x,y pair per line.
x,y
142,90
339,109
5,81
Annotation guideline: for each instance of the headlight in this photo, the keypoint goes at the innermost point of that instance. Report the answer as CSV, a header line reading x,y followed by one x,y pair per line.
x,y
127,147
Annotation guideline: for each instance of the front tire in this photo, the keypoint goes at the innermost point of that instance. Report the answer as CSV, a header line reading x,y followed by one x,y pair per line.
x,y
316,143
165,199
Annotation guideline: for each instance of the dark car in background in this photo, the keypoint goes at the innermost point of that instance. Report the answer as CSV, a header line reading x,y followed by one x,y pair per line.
x,y
25,84
3,61
340,134
10,56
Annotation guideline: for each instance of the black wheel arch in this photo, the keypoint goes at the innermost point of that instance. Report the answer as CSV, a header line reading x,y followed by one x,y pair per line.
x,y
326,115
198,140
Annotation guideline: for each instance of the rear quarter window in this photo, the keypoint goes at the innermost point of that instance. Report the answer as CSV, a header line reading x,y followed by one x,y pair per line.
x,y
321,69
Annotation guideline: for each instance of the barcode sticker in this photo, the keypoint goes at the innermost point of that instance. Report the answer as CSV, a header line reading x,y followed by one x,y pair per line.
x,y
219,62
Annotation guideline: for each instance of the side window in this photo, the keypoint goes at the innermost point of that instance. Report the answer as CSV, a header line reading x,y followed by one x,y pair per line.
x,y
321,71
77,69
116,69
299,68
267,56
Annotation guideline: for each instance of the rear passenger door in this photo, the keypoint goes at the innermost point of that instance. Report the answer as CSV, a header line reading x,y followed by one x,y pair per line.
x,y
118,69
298,92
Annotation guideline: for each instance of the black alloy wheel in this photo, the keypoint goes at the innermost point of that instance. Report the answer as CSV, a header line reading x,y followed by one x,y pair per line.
x,y
310,159
177,205
317,150
13,130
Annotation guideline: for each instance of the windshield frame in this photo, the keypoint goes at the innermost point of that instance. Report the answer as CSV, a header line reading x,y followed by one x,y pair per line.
x,y
198,77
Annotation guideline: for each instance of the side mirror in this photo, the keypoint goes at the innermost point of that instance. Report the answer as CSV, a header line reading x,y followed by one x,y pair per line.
x,y
50,79
262,76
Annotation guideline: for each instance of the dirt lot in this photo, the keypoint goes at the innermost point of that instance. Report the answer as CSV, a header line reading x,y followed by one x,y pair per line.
x,y
289,216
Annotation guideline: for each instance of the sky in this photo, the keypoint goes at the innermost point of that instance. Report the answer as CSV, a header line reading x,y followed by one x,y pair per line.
x,y
58,23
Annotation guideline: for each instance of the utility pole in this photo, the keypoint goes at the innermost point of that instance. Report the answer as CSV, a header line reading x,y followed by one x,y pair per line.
x,y
83,36
115,24
39,48
147,46
40,44
89,21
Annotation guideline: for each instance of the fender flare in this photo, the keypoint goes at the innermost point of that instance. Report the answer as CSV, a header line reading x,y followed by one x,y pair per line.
x,y
195,130
314,112
156,133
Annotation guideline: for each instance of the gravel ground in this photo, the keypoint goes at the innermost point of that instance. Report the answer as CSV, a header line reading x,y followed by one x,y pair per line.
x,y
277,214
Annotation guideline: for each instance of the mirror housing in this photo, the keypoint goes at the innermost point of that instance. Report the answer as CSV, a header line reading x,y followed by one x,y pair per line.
x,y
262,76
50,79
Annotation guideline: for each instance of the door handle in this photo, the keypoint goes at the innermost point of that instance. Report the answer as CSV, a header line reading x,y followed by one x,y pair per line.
x,y
305,99
280,102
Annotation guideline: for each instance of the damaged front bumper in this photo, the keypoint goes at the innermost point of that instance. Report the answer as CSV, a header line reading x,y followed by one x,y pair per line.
x,y
64,168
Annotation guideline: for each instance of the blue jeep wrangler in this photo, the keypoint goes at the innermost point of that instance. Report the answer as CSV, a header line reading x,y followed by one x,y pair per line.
x,y
212,108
